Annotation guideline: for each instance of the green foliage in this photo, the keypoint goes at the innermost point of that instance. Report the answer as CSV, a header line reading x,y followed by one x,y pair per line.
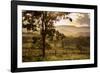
x,y
39,59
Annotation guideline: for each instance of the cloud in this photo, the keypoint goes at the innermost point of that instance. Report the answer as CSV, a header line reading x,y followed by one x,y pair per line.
x,y
80,18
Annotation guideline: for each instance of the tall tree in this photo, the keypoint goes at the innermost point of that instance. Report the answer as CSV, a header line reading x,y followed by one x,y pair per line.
x,y
45,21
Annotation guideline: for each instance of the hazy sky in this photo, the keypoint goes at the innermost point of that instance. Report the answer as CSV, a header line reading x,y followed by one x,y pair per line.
x,y
78,20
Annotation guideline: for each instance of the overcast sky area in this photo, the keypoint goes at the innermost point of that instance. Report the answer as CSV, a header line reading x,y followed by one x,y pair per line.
x,y
78,20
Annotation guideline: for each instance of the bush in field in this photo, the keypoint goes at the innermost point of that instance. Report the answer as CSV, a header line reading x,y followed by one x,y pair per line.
x,y
36,43
48,46
82,42
75,42
39,59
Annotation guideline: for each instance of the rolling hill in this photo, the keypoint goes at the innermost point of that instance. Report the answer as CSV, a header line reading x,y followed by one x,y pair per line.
x,y
73,31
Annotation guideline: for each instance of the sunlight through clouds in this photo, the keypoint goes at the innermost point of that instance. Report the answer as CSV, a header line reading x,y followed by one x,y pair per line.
x,y
78,20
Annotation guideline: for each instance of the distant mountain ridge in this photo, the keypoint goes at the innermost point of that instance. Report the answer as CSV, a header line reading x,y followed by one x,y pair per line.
x,y
72,26
73,31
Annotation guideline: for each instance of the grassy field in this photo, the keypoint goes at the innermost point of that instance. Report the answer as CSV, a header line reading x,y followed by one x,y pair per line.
x,y
69,48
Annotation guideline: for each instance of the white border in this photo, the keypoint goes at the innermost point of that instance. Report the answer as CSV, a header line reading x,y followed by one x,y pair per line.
x,y
53,63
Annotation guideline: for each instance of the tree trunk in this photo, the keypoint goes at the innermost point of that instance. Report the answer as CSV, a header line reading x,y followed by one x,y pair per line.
x,y
43,32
